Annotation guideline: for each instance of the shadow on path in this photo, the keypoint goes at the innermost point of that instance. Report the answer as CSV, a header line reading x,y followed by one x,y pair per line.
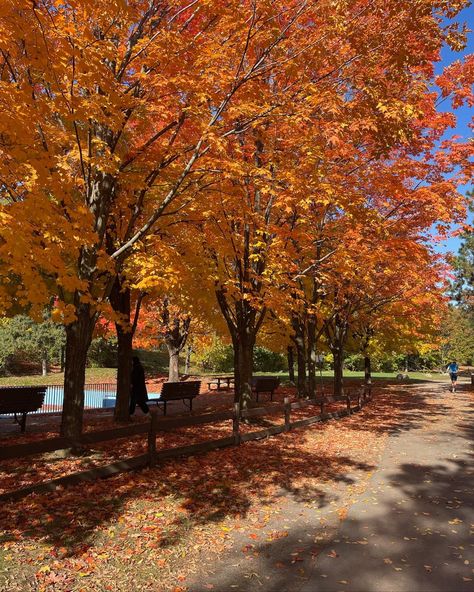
x,y
411,531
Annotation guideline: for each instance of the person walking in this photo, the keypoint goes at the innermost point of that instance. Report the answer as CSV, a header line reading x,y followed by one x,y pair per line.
x,y
138,392
453,370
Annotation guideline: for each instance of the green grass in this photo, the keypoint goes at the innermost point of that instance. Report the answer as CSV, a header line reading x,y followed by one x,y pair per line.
x,y
92,375
325,374
154,363
413,376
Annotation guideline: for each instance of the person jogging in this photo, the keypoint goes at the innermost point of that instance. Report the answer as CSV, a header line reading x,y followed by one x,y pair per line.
x,y
453,370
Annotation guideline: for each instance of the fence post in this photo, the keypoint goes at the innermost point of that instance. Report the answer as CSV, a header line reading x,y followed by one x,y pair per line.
x,y
286,400
152,437
235,424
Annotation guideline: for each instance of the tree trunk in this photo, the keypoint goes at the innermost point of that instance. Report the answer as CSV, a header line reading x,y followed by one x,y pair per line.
x,y
338,371
367,370
291,364
302,384
63,358
176,332
246,346
120,300
124,369
78,339
235,347
243,342
311,354
187,361
243,328
299,340
173,351
44,364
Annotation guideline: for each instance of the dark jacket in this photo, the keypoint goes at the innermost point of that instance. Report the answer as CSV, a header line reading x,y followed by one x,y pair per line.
x,y
139,392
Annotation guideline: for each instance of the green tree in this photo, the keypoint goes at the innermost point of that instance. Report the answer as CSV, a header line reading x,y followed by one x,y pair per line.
x,y
463,285
459,336
22,338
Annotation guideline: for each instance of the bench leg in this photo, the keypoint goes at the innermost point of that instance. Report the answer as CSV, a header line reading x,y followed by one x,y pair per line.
x,y
190,405
23,422
164,407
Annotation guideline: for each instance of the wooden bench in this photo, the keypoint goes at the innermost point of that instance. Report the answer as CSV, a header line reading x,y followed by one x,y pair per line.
x,y
264,384
174,391
21,400
351,393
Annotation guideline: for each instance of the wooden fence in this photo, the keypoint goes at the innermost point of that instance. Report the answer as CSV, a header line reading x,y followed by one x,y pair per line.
x,y
354,401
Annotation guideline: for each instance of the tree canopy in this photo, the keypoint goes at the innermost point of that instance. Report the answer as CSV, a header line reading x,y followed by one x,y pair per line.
x,y
282,162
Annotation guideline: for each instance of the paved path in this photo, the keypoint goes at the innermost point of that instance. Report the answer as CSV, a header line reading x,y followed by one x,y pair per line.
x,y
410,531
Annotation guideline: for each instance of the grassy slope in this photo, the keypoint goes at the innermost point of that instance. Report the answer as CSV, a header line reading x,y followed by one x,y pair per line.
x,y
94,375
154,363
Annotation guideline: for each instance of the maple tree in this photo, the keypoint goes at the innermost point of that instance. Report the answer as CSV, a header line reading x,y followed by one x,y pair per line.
x,y
164,322
125,98
324,187
379,261
255,121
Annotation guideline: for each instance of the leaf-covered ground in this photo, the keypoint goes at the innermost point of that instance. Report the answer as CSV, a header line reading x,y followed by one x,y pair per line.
x,y
152,529
15,474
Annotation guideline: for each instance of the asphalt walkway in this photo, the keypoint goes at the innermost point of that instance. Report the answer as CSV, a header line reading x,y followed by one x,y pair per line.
x,y
410,531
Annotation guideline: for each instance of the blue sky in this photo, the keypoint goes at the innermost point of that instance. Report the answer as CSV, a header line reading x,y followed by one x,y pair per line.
x,y
464,115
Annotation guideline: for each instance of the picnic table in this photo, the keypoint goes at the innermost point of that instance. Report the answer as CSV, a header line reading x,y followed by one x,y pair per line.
x,y
218,381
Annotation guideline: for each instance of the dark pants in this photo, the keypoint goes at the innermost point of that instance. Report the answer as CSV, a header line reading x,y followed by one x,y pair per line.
x,y
142,404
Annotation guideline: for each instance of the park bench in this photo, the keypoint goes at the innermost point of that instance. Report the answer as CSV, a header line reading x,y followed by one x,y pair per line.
x,y
175,391
21,400
264,384
351,393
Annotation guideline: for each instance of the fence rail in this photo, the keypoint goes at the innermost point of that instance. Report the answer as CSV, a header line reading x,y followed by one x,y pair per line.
x,y
157,425
96,396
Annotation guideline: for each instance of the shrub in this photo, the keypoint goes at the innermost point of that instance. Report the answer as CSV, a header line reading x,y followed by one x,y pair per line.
x,y
219,357
265,360
354,362
102,353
